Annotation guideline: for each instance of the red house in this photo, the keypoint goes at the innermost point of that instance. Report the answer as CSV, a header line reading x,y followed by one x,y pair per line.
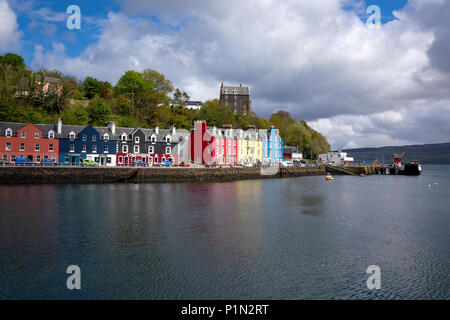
x,y
34,142
213,145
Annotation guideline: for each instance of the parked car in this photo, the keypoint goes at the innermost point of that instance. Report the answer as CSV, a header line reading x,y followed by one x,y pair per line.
x,y
211,164
24,162
87,162
248,165
140,164
165,164
3,162
48,162
184,164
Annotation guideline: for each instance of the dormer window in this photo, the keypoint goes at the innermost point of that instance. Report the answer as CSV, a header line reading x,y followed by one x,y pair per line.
x,y
51,135
8,132
36,135
123,137
23,134
225,91
168,139
234,91
153,138
105,136
72,135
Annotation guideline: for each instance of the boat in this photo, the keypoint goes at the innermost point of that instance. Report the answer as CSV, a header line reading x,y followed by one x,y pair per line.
x,y
328,177
412,168
362,175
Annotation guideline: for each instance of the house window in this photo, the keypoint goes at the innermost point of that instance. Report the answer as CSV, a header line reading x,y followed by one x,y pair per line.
x,y
72,136
38,158
94,149
36,147
124,149
83,148
136,149
50,147
5,157
168,149
120,159
84,137
150,160
153,139
151,149
22,146
72,148
45,157
106,137
66,159
168,139
54,158
8,146
51,135
124,137
13,158
94,138
136,139
105,149
23,134
36,135
8,133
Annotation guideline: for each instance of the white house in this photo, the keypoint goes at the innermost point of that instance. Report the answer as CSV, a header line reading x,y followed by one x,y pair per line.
x,y
193,105
335,158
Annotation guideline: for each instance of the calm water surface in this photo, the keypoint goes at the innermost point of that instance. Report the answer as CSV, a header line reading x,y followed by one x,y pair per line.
x,y
294,238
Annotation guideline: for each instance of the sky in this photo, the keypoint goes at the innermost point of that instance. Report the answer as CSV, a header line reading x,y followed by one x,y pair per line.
x,y
359,85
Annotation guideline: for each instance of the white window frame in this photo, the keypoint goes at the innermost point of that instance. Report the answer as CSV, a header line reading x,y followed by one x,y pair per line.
x,y
168,139
106,137
23,134
123,137
153,138
151,149
94,148
84,137
50,147
136,139
83,148
51,135
136,149
125,149
36,135
105,148
72,148
22,146
37,147
8,146
8,133
94,138
72,136
168,150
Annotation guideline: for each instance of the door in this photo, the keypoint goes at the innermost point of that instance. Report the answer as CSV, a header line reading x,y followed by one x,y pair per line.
x,y
74,161
30,157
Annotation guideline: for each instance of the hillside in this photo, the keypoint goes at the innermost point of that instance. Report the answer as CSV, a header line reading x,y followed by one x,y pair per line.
x,y
436,153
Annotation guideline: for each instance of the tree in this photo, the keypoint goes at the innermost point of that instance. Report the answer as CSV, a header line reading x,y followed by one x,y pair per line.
x,y
159,80
92,87
135,87
14,60
99,112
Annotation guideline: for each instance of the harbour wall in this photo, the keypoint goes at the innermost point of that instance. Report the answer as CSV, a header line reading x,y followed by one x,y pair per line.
x,y
32,175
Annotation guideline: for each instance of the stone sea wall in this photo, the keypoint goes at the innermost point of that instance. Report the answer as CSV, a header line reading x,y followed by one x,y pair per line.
x,y
26,175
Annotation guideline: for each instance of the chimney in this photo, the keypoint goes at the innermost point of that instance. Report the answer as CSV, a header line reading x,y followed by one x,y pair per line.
x,y
112,127
59,126
173,130
156,130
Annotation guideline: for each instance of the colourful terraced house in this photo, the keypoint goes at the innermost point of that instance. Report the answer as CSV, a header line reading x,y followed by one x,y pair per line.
x,y
33,142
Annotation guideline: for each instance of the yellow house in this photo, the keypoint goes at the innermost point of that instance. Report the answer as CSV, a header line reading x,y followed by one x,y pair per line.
x,y
250,148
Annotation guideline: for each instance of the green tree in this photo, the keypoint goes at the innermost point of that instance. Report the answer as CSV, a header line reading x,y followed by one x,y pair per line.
x,y
136,88
99,112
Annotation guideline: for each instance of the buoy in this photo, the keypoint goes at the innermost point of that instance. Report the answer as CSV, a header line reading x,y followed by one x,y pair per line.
x,y
429,186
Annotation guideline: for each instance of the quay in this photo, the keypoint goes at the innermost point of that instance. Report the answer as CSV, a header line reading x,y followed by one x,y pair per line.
x,y
77,174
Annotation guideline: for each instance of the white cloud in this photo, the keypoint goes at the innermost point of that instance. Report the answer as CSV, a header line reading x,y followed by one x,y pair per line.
x,y
311,58
9,34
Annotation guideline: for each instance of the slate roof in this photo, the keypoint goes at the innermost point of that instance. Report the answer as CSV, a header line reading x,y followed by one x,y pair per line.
x,y
239,90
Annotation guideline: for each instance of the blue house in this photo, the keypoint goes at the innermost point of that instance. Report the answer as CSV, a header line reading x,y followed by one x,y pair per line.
x,y
273,146
78,142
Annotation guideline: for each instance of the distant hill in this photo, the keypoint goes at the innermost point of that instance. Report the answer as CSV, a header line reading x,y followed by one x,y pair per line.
x,y
436,153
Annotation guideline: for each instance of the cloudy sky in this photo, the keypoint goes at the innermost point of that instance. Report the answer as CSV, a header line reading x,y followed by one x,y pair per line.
x,y
319,60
